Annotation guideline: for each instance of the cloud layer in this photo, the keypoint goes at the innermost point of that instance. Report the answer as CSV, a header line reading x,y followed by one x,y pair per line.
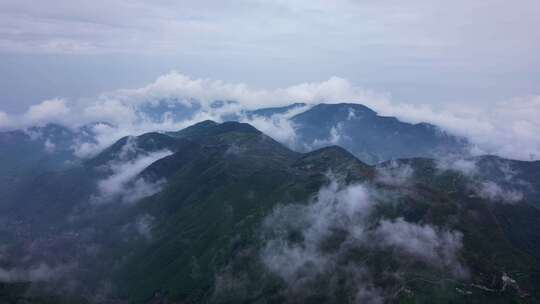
x,y
331,239
175,101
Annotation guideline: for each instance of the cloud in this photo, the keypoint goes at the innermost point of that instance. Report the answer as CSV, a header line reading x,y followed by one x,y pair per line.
x,y
141,189
494,192
110,110
420,31
333,208
278,126
54,110
49,146
116,185
394,174
335,136
438,247
4,120
103,136
35,273
507,129
466,167
496,181
307,245
443,44
126,111
187,90
143,225
504,128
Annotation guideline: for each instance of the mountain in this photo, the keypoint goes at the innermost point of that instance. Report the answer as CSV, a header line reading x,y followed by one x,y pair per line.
x,y
234,216
372,138
216,201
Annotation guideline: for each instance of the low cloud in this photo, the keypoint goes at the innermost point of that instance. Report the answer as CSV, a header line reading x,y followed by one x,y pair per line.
x,y
49,146
144,224
304,262
438,247
36,273
186,90
506,128
306,245
466,167
497,182
494,192
278,126
141,189
334,138
117,184
394,174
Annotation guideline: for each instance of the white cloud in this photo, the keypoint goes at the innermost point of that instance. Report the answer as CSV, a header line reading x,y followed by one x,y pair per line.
x,y
122,108
117,185
343,216
503,128
34,273
438,247
501,186
334,137
110,110
450,47
494,192
186,90
507,129
298,264
5,120
419,31
53,110
143,225
277,126
49,146
466,167
394,174
141,189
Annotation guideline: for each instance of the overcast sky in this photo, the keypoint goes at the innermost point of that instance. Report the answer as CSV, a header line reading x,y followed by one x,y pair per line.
x,y
434,52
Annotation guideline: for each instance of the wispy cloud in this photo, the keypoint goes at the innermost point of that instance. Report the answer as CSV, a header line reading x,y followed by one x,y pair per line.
x,y
394,174
496,183
306,244
34,273
117,184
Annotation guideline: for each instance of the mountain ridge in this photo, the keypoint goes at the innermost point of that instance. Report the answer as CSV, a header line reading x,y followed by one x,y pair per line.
x,y
227,193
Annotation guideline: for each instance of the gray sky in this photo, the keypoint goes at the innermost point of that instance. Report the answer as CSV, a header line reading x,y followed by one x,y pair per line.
x,y
434,51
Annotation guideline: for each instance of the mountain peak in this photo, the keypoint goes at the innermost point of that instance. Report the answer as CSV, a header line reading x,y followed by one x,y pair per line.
x,y
332,113
209,127
369,136
205,123
233,126
345,106
335,159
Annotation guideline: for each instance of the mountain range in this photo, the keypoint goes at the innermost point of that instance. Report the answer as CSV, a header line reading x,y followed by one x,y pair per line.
x,y
365,209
